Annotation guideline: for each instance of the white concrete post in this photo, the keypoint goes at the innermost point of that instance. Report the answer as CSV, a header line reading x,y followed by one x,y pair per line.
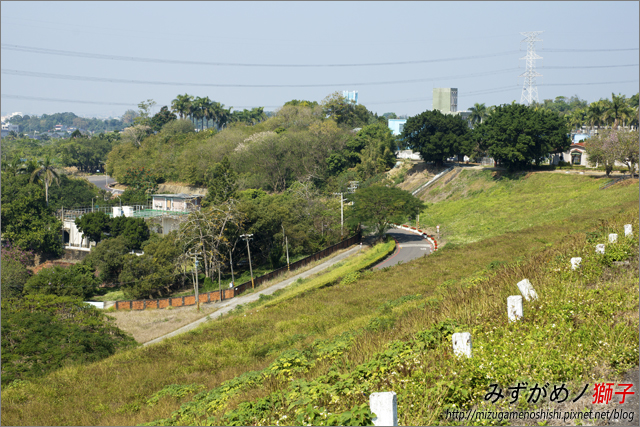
x,y
613,238
527,290
462,344
628,230
600,248
514,307
575,263
384,406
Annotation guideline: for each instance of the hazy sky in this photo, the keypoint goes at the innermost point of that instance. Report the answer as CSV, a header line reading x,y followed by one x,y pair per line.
x,y
229,45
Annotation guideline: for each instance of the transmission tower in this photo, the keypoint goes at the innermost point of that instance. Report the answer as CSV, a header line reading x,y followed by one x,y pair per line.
x,y
530,90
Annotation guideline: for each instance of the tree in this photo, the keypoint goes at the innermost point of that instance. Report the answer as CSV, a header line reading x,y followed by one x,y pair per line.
x,y
156,271
181,105
136,134
77,281
134,231
27,221
437,136
515,135
479,113
14,270
46,172
107,258
222,185
178,127
616,109
378,206
612,145
94,225
161,118
129,116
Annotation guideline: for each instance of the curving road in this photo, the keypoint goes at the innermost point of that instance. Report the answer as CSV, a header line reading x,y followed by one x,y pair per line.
x,y
409,247
102,181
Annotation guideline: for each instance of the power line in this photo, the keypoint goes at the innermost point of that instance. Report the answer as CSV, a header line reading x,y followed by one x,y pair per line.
x,y
36,98
590,66
57,52
588,50
112,80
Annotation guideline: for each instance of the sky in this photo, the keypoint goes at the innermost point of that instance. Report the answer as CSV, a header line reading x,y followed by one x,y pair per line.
x,y
98,59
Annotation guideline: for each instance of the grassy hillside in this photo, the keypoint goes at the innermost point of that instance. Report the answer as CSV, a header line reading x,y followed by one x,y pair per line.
x,y
383,330
480,203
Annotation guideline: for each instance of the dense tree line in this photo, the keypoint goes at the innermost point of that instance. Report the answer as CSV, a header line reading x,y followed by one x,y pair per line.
x,y
47,122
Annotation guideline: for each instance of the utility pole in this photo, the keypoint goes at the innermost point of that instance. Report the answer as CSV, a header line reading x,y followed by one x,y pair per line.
x,y
233,280
287,245
247,237
341,213
530,90
195,261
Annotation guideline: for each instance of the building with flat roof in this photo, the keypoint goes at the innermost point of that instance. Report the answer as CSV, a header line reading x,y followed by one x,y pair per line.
x,y
445,99
351,96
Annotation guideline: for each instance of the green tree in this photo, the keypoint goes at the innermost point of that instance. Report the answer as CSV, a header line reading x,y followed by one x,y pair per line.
x,y
479,113
14,271
222,184
129,116
161,118
181,105
437,136
47,174
94,225
134,231
107,258
515,135
27,221
77,281
178,127
617,109
155,272
378,207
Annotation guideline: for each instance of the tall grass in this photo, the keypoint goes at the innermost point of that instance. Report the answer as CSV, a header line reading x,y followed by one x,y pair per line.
x,y
480,204
465,283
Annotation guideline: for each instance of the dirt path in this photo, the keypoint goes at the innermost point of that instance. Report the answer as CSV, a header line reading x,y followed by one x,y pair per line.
x,y
228,305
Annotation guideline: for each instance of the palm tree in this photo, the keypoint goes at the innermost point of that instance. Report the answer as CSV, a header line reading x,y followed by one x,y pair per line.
x,y
12,166
595,114
47,173
181,104
478,113
617,109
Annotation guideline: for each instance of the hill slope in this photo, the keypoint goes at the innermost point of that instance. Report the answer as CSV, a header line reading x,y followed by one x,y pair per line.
x,y
337,342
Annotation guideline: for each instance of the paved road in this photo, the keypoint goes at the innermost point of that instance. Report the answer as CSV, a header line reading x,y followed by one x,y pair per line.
x,y
101,181
410,246
230,304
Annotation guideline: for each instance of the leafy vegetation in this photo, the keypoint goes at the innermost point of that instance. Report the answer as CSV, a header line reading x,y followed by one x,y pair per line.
x,y
42,333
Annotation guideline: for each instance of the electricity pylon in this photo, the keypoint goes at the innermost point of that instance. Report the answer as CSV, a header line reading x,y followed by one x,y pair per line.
x,y
530,90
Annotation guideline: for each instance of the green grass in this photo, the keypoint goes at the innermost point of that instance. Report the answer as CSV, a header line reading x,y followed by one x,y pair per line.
x,y
339,338
479,206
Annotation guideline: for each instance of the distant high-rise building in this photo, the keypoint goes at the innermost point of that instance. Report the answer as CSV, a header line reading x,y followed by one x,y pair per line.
x,y
445,99
351,96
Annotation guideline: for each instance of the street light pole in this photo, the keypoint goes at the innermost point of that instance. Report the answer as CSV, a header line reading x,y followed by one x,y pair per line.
x,y
247,237
195,261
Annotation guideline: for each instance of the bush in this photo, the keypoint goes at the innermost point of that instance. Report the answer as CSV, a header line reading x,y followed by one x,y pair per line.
x,y
14,270
176,127
41,333
77,281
